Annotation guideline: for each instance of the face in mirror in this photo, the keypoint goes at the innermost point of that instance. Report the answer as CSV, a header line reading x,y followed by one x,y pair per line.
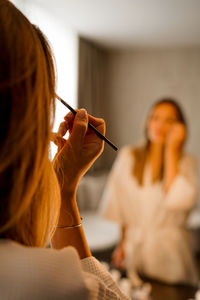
x,y
161,122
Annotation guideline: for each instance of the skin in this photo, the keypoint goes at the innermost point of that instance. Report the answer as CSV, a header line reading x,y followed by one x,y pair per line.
x,y
74,157
167,136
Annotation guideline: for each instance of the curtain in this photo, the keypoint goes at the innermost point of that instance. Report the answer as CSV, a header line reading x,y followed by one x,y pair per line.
x,y
91,95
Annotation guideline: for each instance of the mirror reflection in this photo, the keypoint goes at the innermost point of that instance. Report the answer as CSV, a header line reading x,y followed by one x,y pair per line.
x,y
134,64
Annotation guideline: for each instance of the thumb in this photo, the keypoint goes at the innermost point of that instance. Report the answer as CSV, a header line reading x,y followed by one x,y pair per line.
x,y
80,127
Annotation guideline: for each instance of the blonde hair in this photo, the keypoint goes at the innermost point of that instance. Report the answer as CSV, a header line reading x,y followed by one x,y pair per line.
x,y
29,191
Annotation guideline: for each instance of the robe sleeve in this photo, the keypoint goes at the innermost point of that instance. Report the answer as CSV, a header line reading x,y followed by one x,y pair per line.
x,y
101,285
42,274
183,191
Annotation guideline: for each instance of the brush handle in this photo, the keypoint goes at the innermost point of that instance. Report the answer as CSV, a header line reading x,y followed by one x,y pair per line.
x,y
89,125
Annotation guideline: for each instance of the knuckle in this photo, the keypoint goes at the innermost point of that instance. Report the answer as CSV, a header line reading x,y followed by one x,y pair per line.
x,y
102,120
82,123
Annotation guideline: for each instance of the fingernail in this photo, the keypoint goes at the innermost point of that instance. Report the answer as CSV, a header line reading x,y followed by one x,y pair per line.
x,y
82,113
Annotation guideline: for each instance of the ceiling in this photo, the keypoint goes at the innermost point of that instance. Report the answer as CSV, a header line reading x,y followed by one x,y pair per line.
x,y
131,23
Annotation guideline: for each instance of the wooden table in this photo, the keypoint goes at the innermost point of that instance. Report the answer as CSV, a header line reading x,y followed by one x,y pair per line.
x,y
169,292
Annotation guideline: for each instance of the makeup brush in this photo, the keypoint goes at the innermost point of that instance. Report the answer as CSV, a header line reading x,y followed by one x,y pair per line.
x,y
89,125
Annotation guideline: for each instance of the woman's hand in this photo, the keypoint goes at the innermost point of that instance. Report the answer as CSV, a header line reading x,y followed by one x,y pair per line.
x,y
76,154
176,136
175,141
118,257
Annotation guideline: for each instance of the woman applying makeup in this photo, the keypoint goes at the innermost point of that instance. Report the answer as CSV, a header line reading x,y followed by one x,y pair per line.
x,y
150,191
37,198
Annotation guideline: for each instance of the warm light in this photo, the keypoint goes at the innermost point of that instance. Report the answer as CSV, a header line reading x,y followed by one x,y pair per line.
x,y
64,42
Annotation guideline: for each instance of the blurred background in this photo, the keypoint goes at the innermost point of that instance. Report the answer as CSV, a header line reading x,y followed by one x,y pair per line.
x,y
116,58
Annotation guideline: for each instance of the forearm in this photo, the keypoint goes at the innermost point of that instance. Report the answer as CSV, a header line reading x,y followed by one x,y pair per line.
x,y
66,234
123,232
75,156
172,156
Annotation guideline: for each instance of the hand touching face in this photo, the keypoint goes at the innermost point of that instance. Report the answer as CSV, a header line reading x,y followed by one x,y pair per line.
x,y
163,126
176,136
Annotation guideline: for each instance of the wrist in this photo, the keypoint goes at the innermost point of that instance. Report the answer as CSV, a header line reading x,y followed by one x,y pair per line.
x,y
69,212
68,186
173,148
68,191
68,181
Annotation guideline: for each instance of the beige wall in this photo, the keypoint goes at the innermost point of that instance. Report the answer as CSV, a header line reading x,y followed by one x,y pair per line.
x,y
134,80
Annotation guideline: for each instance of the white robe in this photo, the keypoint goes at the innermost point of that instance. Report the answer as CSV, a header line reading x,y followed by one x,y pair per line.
x,y
28,273
156,241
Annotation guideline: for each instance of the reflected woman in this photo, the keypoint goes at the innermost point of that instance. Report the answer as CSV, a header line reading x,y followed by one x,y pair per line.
x,y
150,191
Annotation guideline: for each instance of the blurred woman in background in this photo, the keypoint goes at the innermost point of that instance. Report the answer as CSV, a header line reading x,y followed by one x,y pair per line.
x,y
38,200
150,191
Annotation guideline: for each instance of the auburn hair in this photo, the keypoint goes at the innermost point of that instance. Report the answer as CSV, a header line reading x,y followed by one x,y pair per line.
x,y
140,154
29,191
